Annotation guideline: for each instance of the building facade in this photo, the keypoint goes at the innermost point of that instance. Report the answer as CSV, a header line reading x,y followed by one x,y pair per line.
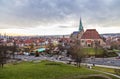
x,y
89,38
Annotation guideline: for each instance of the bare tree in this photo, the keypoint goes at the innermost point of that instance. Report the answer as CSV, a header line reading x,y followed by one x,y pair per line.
x,y
31,47
97,46
1,59
77,53
14,49
114,45
50,49
3,55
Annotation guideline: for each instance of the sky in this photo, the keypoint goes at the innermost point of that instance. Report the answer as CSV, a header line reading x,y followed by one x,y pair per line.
x,y
58,17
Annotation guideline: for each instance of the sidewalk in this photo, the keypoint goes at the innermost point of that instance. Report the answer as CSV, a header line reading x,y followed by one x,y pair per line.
x,y
106,73
106,66
114,67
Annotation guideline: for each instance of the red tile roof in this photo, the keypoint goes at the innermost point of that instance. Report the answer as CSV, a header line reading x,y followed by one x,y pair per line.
x,y
91,34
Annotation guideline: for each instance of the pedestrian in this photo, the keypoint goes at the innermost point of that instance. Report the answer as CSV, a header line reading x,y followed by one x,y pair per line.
x,y
93,64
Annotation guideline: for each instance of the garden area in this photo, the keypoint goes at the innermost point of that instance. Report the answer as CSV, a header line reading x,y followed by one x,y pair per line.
x,y
48,70
92,51
100,52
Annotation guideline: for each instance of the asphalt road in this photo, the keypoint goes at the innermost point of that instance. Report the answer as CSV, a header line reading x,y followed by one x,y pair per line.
x,y
41,57
98,61
104,61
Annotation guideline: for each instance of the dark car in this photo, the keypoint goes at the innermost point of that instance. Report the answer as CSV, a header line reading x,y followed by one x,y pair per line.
x,y
118,57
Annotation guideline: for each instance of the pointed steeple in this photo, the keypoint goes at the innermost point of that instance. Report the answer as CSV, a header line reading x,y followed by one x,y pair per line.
x,y
80,25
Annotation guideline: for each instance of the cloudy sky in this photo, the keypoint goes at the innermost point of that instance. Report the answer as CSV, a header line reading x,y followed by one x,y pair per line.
x,y
52,17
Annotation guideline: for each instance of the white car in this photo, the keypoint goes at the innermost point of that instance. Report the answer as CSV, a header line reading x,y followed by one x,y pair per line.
x,y
26,53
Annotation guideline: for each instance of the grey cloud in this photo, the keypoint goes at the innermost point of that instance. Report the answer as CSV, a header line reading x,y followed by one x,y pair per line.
x,y
31,13
64,26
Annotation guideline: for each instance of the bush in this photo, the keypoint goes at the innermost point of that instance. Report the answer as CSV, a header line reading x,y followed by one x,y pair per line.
x,y
110,54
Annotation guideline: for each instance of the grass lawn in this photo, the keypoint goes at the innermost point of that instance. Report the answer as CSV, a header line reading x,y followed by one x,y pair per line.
x,y
92,51
46,70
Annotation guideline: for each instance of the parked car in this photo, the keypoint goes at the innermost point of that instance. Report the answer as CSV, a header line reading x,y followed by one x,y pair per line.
x,y
26,53
118,57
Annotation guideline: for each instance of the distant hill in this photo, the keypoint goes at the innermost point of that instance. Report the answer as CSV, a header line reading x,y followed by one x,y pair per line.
x,y
56,36
111,35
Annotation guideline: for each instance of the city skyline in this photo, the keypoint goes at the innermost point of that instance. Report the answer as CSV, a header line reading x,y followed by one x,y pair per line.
x,y
45,17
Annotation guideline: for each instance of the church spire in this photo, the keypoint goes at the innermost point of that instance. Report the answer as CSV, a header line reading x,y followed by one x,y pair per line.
x,y
80,25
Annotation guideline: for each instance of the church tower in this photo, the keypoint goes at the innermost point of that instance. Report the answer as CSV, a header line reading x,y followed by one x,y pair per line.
x,y
81,30
78,34
80,26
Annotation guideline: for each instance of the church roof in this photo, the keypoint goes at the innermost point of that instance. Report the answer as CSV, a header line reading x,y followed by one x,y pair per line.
x,y
91,34
75,32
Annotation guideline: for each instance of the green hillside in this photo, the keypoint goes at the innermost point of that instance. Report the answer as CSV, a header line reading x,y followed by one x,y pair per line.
x,y
47,70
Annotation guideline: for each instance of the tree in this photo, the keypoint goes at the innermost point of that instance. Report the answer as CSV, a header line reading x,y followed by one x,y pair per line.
x,y
36,54
31,47
97,46
50,48
61,48
1,59
114,45
14,49
3,55
77,53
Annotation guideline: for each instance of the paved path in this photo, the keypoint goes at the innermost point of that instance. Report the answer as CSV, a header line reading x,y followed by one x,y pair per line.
x,y
106,66
87,76
107,73
114,67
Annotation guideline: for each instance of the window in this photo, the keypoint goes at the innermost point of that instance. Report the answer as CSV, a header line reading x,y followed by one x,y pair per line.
x,y
82,41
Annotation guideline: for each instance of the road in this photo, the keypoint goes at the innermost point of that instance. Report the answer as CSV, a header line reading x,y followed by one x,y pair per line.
x,y
41,57
104,61
97,61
